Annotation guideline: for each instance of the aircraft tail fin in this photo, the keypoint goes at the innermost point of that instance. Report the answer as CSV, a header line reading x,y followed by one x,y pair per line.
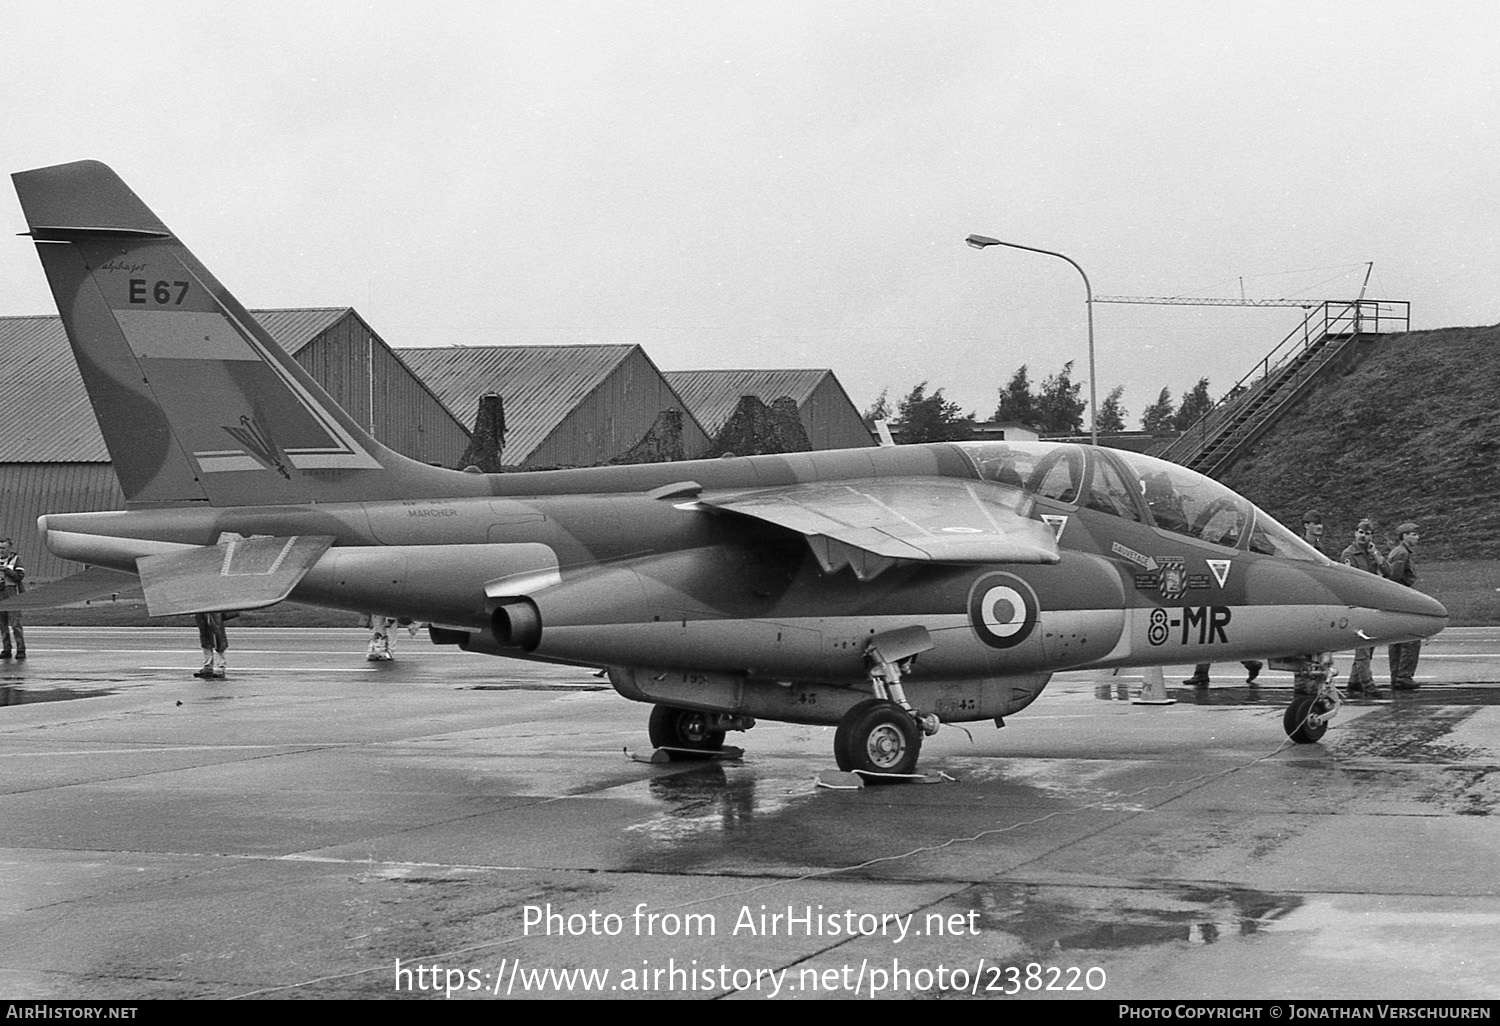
x,y
196,402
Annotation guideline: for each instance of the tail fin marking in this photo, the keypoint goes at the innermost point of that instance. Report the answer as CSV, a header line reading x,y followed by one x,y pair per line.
x,y
195,400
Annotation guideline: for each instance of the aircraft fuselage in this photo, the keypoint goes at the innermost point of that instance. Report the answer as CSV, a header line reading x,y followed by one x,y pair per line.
x,y
635,572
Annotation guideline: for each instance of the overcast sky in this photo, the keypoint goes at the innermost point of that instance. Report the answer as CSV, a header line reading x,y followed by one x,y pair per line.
x,y
788,184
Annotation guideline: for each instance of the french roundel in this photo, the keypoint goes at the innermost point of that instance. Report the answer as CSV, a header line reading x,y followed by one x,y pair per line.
x,y
1002,609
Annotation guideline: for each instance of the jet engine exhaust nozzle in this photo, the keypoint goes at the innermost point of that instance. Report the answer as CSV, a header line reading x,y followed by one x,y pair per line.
x,y
517,623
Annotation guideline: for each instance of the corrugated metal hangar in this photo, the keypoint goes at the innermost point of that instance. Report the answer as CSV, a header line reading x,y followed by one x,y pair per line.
x,y
53,459
828,416
565,406
568,405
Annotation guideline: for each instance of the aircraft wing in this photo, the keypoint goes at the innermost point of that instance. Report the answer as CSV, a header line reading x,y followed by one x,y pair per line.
x,y
97,583
872,524
241,573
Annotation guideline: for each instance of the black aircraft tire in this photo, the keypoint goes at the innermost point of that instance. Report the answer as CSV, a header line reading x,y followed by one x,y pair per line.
x,y
877,737
672,727
1294,721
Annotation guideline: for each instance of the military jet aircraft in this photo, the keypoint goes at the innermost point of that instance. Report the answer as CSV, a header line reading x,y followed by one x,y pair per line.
x,y
885,591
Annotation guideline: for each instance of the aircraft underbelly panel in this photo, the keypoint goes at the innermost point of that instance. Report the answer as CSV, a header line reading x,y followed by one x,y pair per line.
x,y
736,646
956,701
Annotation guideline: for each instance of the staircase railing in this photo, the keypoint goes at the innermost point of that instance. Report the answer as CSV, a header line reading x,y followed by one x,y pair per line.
x,y
1284,373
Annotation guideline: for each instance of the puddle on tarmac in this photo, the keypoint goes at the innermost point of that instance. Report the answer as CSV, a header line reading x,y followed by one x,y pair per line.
x,y
707,801
1050,918
13,694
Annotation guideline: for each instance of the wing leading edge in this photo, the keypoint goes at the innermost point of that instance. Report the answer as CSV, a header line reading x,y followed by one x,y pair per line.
x,y
871,525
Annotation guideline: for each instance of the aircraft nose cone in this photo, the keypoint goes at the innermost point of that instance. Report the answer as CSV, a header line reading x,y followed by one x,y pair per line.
x,y
1395,612
1418,604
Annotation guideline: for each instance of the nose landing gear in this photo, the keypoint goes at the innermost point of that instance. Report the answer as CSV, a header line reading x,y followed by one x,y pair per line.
x,y
1315,701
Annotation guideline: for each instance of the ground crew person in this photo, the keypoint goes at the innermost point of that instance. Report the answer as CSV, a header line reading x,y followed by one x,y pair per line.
x,y
1312,529
1305,682
381,642
1400,569
1363,555
12,573
214,640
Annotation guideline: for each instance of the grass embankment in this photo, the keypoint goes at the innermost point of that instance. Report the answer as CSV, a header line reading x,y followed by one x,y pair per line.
x,y
1470,588
1406,434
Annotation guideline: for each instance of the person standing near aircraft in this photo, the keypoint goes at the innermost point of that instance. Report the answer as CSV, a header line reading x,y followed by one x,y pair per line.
x,y
1363,555
1199,679
1303,681
381,642
1312,529
12,574
214,640
1401,569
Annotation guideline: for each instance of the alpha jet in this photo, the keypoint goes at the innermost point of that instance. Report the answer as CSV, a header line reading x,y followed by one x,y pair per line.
x,y
885,591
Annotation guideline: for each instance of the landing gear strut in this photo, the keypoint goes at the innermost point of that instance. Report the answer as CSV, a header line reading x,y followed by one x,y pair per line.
x,y
883,735
1315,700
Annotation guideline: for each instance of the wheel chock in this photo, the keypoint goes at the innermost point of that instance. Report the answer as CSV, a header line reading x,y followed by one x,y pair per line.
x,y
729,753
838,780
1153,689
854,780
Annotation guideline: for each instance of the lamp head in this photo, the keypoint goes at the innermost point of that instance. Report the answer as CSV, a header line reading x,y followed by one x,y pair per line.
x,y
981,241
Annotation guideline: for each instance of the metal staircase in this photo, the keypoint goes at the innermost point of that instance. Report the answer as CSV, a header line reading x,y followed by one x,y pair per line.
x,y
1326,338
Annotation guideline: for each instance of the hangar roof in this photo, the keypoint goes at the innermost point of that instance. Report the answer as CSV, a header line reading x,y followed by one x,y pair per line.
x,y
712,395
541,385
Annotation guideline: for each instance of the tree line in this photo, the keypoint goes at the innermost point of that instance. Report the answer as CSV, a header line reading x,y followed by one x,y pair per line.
x,y
1053,408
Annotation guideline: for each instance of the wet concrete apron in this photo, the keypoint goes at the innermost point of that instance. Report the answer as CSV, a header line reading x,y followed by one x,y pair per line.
x,y
316,827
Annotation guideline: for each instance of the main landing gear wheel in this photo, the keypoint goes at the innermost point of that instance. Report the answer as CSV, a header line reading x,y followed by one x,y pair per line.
x,y
1297,720
877,737
672,727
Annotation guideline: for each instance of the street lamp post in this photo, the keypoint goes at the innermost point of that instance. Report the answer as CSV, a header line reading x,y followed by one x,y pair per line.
x,y
982,241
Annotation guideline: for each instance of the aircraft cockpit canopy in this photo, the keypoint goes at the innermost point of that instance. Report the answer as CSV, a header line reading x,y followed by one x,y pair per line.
x,y
1131,486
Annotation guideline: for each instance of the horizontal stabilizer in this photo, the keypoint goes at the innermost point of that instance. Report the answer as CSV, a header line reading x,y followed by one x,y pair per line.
x,y
241,573
873,524
96,584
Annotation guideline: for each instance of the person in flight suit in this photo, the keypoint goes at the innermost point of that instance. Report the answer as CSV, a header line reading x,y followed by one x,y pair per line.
x,y
1401,569
1363,555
